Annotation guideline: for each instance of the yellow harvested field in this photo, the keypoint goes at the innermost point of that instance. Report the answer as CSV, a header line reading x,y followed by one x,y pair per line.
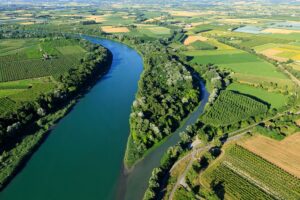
x,y
193,38
298,122
297,57
280,31
155,19
27,23
238,21
185,13
27,15
70,15
199,23
96,18
113,29
296,66
272,53
284,154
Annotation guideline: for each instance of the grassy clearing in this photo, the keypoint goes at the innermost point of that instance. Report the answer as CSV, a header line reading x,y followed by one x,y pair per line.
x,y
276,100
226,58
260,68
286,84
71,50
153,30
199,45
210,53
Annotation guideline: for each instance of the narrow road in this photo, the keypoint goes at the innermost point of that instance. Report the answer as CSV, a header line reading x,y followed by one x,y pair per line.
x,y
195,151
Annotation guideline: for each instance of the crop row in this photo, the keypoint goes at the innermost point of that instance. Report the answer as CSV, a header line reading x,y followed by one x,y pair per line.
x,y
285,184
26,69
231,107
6,105
223,179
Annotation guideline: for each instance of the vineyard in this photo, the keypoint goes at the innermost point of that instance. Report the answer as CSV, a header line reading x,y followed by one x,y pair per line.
x,y
244,175
231,107
14,93
26,67
6,105
23,62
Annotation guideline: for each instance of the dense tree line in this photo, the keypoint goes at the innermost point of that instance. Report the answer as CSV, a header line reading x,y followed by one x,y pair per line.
x,y
216,79
279,128
167,92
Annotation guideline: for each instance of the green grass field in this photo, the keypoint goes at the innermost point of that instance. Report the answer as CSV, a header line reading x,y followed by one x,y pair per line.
x,y
276,100
226,58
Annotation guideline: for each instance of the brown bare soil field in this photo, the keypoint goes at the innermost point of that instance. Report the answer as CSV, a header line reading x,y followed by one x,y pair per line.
x,y
284,154
271,53
193,38
112,29
280,31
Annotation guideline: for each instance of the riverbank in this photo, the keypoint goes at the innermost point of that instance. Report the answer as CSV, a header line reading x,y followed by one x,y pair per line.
x,y
13,160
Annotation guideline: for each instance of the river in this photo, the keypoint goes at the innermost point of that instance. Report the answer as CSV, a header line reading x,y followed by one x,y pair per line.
x,y
83,156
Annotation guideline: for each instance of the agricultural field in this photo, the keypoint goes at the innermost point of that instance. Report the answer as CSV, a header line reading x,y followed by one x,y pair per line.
x,y
241,63
241,174
252,75
283,154
29,67
231,107
112,29
33,58
14,93
152,31
275,99
279,52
